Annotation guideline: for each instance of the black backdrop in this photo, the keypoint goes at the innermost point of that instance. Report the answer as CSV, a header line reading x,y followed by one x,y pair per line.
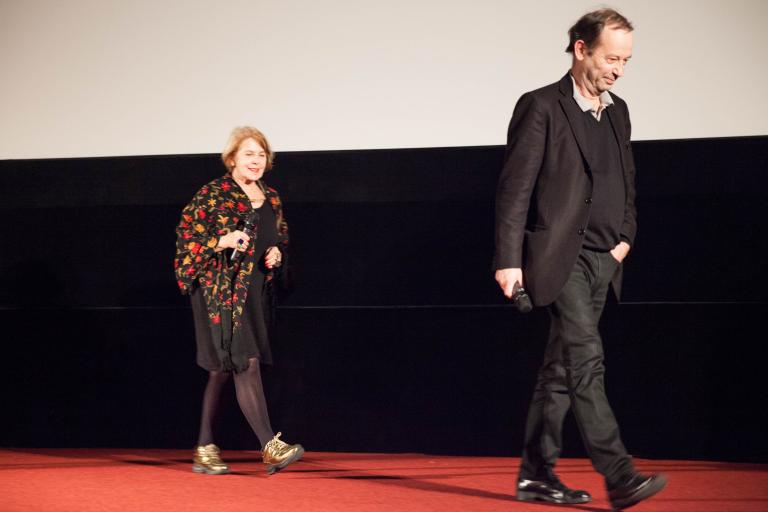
x,y
395,338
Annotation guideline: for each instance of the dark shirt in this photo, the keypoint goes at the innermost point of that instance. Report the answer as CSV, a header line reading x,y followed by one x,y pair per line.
x,y
608,188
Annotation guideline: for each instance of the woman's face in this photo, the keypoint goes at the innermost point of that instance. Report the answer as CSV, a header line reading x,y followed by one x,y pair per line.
x,y
250,161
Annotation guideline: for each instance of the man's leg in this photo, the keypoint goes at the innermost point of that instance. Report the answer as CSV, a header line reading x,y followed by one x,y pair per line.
x,y
575,315
543,433
549,405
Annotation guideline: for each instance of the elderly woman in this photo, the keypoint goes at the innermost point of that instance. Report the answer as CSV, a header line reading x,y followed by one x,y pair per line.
x,y
231,242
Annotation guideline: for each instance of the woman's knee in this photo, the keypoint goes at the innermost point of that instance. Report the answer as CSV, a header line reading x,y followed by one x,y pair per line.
x,y
253,365
218,377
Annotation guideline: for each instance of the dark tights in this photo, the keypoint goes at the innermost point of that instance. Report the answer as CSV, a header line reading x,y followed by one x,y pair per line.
x,y
211,399
250,397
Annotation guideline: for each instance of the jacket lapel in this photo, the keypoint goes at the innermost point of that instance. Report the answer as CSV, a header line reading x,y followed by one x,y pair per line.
x,y
575,118
616,118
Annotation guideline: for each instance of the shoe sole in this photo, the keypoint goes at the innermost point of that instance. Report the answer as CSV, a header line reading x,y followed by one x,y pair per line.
x,y
197,468
532,496
653,487
274,468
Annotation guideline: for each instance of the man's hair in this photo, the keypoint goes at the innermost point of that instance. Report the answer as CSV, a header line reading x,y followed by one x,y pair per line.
x,y
591,25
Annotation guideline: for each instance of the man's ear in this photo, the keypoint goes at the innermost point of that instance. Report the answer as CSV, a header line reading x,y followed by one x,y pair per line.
x,y
580,49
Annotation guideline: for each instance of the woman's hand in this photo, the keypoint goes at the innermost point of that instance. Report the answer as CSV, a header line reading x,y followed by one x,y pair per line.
x,y
273,257
234,240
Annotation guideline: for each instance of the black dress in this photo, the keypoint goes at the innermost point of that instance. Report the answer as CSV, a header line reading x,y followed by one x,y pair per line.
x,y
252,335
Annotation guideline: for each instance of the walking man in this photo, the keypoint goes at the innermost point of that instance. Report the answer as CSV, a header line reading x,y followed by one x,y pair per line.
x,y
565,221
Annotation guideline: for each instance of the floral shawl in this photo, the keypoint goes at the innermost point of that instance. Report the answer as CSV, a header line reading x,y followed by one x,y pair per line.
x,y
216,209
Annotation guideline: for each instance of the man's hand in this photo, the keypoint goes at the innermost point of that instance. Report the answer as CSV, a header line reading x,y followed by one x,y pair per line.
x,y
507,277
620,251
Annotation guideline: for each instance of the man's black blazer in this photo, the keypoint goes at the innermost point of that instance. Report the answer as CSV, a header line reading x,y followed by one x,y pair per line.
x,y
544,193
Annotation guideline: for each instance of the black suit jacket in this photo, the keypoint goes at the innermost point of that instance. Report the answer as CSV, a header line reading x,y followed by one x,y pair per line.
x,y
543,198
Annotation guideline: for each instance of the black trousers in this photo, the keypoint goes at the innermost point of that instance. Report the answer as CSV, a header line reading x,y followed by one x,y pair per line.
x,y
571,376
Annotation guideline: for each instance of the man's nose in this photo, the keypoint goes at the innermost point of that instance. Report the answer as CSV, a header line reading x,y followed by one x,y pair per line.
x,y
618,70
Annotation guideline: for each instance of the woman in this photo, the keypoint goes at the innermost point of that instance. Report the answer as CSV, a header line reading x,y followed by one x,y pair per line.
x,y
231,241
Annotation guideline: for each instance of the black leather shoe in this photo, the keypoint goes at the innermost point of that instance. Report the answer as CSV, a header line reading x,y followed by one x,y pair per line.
x,y
635,489
551,490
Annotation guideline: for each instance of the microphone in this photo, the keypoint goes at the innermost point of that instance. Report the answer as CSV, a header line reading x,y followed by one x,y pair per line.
x,y
520,299
248,229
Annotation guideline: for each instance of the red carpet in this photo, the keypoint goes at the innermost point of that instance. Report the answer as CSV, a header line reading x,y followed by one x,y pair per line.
x,y
53,480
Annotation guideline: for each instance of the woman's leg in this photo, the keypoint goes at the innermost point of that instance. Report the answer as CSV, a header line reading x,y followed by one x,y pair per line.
x,y
207,457
250,396
211,400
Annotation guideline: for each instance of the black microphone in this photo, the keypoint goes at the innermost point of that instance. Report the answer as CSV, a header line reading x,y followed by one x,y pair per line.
x,y
520,299
248,226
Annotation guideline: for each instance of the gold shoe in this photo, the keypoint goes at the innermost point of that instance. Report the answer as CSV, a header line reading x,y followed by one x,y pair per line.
x,y
207,459
277,454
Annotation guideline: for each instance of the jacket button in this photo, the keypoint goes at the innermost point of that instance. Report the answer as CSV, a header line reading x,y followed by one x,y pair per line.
x,y
581,231
588,200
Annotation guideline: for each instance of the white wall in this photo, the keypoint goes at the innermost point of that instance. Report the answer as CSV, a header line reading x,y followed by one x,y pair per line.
x,y
135,77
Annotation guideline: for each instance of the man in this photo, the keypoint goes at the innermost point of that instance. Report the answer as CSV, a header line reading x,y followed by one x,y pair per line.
x,y
565,220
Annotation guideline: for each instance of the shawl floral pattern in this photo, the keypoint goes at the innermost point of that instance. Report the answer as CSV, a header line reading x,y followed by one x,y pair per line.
x,y
218,208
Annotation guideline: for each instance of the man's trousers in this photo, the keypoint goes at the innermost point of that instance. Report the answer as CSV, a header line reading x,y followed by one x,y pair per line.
x,y
571,376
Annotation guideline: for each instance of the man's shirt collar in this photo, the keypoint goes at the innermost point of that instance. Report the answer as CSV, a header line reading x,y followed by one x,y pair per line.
x,y
586,106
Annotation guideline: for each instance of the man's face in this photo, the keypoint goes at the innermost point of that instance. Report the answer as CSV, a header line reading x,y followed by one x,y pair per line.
x,y
605,63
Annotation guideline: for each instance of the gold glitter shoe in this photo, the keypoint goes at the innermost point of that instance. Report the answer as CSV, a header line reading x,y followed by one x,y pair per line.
x,y
277,454
207,459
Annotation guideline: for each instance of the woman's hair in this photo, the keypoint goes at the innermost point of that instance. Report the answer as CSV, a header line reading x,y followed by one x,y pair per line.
x,y
237,137
591,25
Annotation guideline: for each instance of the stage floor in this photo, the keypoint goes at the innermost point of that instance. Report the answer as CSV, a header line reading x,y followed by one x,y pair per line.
x,y
58,480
